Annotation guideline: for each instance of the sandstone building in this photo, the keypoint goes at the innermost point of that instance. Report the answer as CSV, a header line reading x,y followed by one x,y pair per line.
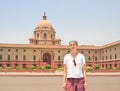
x,y
44,46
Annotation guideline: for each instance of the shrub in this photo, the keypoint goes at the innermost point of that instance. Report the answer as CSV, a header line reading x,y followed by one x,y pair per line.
x,y
60,69
32,67
9,68
103,68
42,67
1,68
97,66
114,68
47,66
89,69
17,68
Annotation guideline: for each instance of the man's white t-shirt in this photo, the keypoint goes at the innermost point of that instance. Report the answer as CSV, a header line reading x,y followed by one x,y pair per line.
x,y
74,71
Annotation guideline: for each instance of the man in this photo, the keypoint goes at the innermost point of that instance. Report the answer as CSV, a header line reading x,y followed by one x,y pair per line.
x,y
74,77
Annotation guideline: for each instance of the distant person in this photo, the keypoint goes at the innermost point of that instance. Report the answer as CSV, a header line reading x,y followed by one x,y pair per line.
x,y
74,76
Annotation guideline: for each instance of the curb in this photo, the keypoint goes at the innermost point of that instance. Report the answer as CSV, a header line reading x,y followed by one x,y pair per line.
x,y
57,74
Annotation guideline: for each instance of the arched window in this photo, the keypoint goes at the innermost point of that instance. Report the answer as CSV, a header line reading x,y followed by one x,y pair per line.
x,y
106,58
95,58
88,51
102,65
51,36
89,58
45,36
115,56
24,57
102,57
34,57
37,35
58,57
106,65
0,57
16,57
110,57
110,65
8,57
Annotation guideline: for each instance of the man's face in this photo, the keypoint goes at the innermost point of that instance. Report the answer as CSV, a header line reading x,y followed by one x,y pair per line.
x,y
73,46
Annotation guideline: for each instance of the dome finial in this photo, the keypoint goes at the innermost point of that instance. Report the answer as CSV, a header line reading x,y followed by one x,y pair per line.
x,y
44,17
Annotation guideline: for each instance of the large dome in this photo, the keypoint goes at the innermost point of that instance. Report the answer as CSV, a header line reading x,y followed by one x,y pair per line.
x,y
44,24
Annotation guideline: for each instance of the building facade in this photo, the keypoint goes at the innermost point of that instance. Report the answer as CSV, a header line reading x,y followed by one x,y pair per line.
x,y
44,46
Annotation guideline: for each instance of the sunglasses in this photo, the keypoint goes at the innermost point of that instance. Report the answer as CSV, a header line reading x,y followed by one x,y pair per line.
x,y
74,62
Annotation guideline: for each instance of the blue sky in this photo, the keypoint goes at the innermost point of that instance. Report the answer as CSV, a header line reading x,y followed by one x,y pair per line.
x,y
90,22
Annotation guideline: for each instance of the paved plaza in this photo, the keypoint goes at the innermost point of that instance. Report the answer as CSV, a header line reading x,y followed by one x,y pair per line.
x,y
54,83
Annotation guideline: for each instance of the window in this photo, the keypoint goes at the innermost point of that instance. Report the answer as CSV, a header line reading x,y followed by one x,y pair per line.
x,y
110,57
8,50
106,58
8,65
34,50
88,51
0,65
0,57
82,51
45,36
34,57
115,56
16,50
16,65
102,65
37,35
68,51
95,58
102,57
89,58
51,36
115,65
58,57
106,65
110,50
1,50
59,65
8,57
95,51
24,57
24,65
24,50
110,65
16,57
59,51
106,51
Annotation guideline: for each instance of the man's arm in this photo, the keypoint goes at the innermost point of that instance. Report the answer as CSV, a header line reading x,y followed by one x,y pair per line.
x,y
64,77
85,75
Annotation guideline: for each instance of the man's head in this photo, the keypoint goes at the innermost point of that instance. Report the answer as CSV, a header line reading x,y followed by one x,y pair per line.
x,y
73,42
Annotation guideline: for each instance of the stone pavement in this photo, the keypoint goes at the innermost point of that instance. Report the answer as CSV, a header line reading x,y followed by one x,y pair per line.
x,y
57,73
40,82
48,81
